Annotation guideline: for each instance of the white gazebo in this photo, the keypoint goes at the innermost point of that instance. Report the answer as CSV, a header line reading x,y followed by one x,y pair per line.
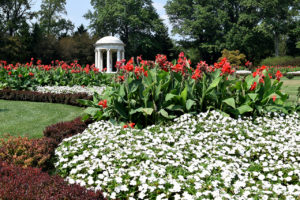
x,y
110,45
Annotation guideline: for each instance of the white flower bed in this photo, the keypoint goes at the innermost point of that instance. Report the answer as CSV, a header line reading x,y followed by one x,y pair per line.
x,y
207,156
70,90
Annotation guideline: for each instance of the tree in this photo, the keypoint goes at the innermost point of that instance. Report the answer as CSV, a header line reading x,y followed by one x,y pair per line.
x,y
84,45
37,38
135,21
293,41
51,19
201,23
25,39
13,13
278,15
245,25
81,30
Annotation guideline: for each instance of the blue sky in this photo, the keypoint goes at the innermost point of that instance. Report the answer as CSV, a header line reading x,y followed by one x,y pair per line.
x,y
77,8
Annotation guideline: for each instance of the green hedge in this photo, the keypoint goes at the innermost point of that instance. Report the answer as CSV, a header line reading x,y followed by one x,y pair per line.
x,y
282,61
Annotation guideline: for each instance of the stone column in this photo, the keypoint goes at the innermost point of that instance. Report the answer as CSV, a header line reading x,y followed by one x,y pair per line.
x,y
108,60
123,54
119,55
96,59
111,60
101,60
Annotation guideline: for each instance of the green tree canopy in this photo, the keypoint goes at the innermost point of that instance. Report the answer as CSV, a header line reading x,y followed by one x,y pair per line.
x,y
51,18
250,26
13,13
135,21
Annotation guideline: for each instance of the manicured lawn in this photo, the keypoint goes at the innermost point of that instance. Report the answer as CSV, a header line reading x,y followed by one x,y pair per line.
x,y
29,119
290,86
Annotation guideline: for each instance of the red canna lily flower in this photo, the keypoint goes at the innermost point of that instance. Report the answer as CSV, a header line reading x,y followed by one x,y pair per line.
x,y
131,124
20,75
270,75
31,74
146,73
125,126
248,63
278,75
39,62
253,86
139,58
9,73
255,74
103,103
274,98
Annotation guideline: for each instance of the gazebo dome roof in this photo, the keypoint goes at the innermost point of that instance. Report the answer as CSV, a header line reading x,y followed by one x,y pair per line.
x,y
109,40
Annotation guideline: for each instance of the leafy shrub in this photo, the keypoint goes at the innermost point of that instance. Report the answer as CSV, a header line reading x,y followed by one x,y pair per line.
x,y
281,61
62,130
70,99
234,57
27,152
146,95
17,183
289,76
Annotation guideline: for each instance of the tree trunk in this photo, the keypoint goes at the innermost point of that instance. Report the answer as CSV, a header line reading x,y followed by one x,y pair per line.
x,y
276,44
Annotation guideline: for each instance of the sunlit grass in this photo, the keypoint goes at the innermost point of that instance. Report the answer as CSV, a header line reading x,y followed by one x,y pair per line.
x,y
29,119
290,87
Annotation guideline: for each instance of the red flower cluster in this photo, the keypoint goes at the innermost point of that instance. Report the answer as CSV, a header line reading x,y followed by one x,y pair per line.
x,y
259,72
103,103
129,65
248,63
197,74
225,67
201,66
162,62
139,71
131,124
73,67
253,86
274,98
182,64
278,75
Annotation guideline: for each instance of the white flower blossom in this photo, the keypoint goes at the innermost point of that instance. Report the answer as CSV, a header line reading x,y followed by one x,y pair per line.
x,y
197,157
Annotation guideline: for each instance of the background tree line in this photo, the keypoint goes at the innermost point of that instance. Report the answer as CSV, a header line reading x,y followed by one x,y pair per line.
x,y
257,28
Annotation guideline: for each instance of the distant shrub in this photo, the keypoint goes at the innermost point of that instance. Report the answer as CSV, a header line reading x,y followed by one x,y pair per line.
x,y
70,99
17,183
27,152
62,130
289,76
234,57
281,61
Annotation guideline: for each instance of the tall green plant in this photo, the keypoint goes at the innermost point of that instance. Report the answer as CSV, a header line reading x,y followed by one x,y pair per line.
x,y
152,95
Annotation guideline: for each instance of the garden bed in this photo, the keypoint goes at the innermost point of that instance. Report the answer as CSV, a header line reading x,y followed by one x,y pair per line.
x,y
163,131
204,156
